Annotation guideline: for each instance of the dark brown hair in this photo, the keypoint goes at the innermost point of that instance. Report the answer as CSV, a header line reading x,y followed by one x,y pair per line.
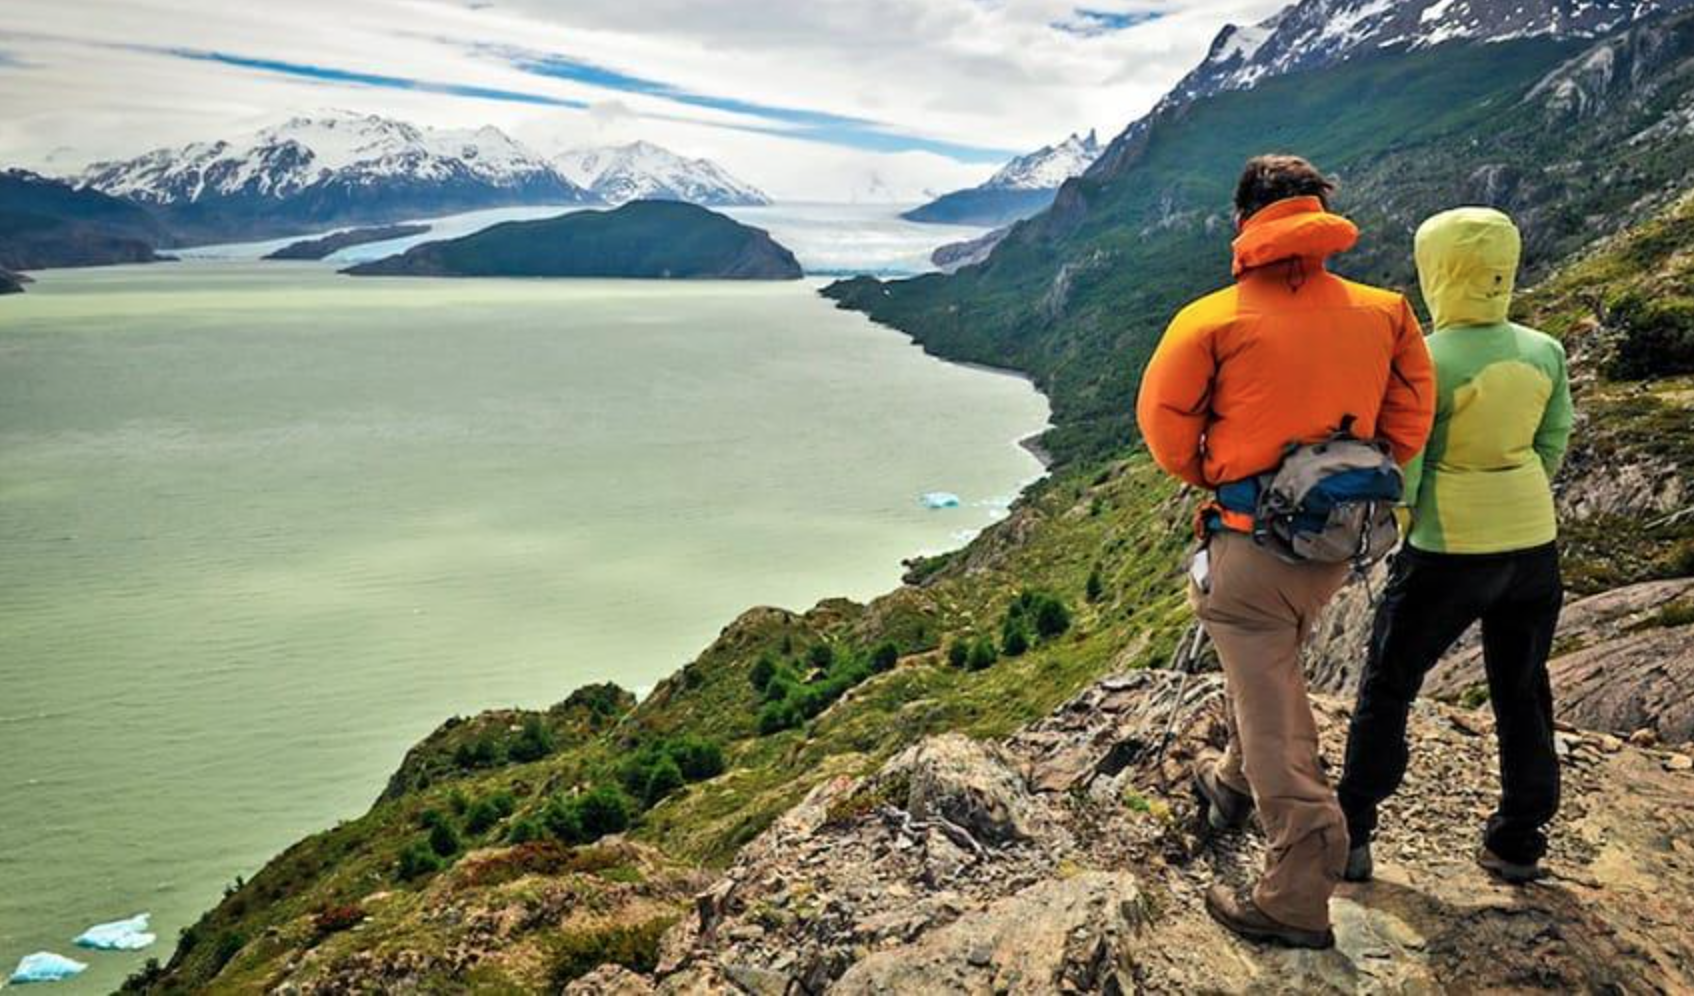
x,y
1268,179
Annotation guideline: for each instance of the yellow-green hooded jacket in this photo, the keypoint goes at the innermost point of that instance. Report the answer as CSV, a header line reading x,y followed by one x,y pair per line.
x,y
1503,408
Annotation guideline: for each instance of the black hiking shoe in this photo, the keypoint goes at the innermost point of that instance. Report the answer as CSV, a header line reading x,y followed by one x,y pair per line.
x,y
1510,872
1360,866
1226,808
1241,915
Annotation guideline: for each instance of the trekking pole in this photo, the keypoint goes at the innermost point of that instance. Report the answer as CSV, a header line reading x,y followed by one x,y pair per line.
x,y
1187,652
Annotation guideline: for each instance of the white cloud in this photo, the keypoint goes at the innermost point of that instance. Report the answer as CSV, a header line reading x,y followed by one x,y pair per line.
x,y
96,79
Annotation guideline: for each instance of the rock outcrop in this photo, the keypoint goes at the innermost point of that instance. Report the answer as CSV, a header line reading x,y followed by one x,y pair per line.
x,y
914,880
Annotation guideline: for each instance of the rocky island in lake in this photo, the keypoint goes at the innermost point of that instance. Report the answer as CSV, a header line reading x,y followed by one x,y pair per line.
x,y
322,248
642,239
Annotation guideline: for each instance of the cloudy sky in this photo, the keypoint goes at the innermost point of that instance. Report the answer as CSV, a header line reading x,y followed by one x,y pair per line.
x,y
810,99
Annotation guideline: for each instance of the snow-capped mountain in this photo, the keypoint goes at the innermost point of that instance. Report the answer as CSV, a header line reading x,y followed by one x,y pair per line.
x,y
644,171
1047,167
1019,189
334,168
1312,34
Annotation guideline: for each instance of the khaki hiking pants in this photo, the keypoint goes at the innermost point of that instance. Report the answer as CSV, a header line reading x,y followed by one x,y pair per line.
x,y
1258,613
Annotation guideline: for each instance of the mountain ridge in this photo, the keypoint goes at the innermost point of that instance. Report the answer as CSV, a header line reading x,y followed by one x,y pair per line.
x,y
1022,187
643,171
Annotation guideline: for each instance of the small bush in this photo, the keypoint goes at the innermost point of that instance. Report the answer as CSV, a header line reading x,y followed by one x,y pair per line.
x,y
486,812
764,669
959,652
524,831
1096,586
636,948
1658,336
1014,639
418,860
533,742
698,757
1051,616
821,656
443,840
663,778
982,654
885,656
604,810
778,716
480,752
563,820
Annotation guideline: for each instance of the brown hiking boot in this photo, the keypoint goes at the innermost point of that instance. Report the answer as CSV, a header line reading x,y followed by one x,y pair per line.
x,y
1511,872
1226,808
1241,915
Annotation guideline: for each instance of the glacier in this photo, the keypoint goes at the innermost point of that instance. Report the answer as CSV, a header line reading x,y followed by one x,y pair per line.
x,y
45,966
119,935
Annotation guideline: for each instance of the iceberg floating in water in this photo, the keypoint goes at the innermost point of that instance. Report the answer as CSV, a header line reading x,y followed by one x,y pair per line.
x,y
939,499
45,966
119,935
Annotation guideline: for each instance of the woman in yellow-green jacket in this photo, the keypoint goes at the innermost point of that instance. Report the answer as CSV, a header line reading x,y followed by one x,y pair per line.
x,y
1481,545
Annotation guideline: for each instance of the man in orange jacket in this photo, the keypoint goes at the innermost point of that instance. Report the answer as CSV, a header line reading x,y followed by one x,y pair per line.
x,y
1289,354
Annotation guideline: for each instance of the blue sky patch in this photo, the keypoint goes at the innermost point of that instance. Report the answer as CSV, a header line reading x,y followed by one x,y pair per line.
x,y
1088,22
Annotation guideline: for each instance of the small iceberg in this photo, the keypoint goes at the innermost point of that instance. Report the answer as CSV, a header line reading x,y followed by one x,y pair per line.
x,y
119,935
45,966
939,499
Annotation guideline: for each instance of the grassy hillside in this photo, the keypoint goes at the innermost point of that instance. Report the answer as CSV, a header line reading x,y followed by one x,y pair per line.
x,y
1079,295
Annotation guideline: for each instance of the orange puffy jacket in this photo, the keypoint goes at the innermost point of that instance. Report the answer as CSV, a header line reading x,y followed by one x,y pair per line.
x,y
1284,356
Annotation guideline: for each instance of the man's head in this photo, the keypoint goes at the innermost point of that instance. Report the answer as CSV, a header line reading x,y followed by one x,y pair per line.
x,y
1268,179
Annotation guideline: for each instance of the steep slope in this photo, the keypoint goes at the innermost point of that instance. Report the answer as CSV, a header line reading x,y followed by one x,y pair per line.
x,y
1019,189
332,169
1574,138
644,171
1316,34
46,223
642,239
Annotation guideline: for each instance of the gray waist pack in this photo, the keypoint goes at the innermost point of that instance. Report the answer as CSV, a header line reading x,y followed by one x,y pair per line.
x,y
1331,503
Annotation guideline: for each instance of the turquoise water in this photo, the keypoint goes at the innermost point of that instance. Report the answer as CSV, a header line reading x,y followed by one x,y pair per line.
x,y
262,527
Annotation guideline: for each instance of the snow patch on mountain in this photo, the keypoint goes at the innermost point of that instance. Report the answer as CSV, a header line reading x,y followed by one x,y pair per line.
x,y
1047,167
1312,34
283,160
644,171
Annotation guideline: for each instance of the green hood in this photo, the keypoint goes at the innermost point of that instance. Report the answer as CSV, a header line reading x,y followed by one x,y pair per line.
x,y
1467,264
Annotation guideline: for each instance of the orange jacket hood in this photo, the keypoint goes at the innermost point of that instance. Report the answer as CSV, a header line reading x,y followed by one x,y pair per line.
x,y
1296,228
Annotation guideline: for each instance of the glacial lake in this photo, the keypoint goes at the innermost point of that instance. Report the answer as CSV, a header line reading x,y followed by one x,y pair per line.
x,y
262,527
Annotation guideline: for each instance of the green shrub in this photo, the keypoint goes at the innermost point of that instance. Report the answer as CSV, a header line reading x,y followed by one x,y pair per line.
x,y
821,656
486,812
764,669
563,820
1051,616
576,953
1658,336
533,742
1014,639
523,831
982,654
959,652
778,716
418,860
885,656
604,810
443,840
1096,586
663,778
482,751
698,757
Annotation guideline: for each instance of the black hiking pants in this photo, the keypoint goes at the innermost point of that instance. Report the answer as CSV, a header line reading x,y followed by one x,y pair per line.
x,y
1432,598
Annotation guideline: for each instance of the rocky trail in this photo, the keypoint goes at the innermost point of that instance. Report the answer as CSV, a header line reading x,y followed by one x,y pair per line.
x,y
1064,859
